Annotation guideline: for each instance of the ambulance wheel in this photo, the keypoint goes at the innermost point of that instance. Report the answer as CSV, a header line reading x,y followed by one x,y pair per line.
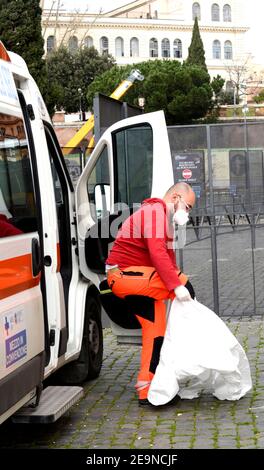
x,y
92,344
89,363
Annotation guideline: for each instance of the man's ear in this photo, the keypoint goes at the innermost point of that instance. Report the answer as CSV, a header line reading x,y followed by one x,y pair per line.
x,y
174,196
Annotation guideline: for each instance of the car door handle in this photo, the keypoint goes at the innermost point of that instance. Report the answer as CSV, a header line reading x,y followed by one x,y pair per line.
x,y
35,250
47,260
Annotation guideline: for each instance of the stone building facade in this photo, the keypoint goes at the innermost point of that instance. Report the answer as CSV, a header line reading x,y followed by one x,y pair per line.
x,y
157,29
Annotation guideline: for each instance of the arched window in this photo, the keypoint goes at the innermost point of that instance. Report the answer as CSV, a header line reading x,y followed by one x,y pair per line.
x,y
88,41
119,47
165,48
196,11
134,47
216,49
177,48
50,43
228,50
73,44
227,13
215,12
104,45
153,47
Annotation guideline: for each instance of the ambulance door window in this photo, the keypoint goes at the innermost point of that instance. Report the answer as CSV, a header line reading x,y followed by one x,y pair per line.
x,y
133,157
98,186
57,186
17,195
62,206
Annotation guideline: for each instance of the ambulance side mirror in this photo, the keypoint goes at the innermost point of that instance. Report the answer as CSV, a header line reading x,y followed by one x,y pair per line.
x,y
102,200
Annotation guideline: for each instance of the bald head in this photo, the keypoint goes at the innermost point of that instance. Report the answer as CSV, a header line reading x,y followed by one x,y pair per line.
x,y
179,190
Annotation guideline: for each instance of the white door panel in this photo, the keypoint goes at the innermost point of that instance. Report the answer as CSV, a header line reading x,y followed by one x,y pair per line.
x,y
137,155
161,171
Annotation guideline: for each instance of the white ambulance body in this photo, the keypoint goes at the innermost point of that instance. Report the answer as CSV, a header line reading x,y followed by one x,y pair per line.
x,y
50,313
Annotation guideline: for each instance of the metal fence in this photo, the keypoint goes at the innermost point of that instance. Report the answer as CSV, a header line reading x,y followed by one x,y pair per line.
x,y
224,253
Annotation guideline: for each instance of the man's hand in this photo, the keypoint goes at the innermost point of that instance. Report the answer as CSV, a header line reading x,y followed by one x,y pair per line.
x,y
182,293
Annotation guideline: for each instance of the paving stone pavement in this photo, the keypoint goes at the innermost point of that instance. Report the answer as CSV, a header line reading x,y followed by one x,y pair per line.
x,y
108,417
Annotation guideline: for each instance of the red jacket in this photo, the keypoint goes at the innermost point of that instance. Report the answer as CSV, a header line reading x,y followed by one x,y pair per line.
x,y
6,228
144,240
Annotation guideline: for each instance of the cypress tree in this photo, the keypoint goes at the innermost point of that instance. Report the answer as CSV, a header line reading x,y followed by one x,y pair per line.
x,y
196,54
20,31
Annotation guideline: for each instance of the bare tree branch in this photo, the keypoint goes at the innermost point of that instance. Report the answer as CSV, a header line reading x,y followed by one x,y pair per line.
x,y
71,28
47,20
89,26
244,77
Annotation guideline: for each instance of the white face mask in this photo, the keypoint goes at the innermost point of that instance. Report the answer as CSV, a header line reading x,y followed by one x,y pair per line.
x,y
180,217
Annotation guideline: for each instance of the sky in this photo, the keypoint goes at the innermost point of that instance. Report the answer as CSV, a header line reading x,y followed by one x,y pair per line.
x,y
93,5
255,15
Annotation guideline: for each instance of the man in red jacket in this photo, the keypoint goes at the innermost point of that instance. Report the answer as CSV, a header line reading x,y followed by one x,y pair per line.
x,y
6,228
142,262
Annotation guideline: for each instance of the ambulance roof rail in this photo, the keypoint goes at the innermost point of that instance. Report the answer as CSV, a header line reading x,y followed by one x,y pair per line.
x,y
17,60
3,53
12,57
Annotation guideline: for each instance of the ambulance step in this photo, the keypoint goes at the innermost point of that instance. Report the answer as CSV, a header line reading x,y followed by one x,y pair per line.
x,y
54,402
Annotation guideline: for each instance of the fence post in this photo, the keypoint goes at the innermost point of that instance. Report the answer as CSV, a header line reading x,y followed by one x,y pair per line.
x,y
82,158
253,246
213,224
247,168
252,219
181,259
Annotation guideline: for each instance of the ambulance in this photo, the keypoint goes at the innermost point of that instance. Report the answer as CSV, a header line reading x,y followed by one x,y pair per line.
x,y
53,243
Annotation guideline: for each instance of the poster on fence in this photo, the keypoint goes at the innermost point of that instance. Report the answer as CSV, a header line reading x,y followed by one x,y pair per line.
x,y
189,168
246,169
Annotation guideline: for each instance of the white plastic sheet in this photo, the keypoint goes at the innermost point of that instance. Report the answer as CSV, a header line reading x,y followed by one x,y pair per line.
x,y
199,354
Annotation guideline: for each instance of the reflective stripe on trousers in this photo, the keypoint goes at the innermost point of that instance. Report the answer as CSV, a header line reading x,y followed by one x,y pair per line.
x,y
141,280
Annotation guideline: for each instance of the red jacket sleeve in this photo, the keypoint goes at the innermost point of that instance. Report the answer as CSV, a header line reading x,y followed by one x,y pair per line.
x,y
154,226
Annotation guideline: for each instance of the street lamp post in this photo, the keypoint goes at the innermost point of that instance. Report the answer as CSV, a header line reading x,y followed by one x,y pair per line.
x,y
245,111
80,103
214,101
234,98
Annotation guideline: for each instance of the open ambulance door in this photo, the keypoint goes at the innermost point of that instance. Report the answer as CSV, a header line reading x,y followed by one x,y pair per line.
x,y
131,162
22,332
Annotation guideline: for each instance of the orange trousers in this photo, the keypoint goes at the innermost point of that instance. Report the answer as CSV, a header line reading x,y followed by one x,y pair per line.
x,y
145,281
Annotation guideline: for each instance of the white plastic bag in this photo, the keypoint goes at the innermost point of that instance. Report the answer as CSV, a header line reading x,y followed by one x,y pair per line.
x,y
199,353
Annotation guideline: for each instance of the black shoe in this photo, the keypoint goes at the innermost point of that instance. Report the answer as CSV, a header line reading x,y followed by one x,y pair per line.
x,y
174,400
144,402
